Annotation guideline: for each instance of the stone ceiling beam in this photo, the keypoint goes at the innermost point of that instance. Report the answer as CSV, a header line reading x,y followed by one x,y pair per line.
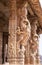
x,y
35,5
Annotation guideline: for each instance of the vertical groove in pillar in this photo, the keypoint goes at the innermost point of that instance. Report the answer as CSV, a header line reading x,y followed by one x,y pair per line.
x,y
12,32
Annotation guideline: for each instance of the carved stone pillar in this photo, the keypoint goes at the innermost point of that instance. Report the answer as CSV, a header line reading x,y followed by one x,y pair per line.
x,y
24,32
34,55
12,32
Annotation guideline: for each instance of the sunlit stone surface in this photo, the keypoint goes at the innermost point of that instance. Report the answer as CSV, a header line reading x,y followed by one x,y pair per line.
x,y
20,26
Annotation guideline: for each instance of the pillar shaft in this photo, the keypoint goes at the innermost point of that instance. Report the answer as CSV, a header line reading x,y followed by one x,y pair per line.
x,y
25,28
12,32
34,55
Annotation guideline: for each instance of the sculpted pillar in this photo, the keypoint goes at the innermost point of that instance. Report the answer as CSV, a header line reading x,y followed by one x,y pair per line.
x,y
12,32
34,55
24,32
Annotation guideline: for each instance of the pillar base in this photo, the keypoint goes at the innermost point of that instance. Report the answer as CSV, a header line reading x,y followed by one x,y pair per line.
x,y
16,60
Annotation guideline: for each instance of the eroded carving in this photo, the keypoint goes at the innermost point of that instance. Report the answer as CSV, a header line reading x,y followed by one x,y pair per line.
x,y
24,29
34,42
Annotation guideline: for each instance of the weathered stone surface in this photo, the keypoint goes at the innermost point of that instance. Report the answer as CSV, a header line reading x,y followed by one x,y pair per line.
x,y
34,43
23,37
35,4
12,32
24,31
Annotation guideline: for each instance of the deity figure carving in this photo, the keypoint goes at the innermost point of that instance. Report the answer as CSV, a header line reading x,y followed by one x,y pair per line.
x,y
24,32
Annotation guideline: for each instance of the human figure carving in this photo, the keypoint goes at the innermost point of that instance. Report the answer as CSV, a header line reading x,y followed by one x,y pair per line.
x,y
24,32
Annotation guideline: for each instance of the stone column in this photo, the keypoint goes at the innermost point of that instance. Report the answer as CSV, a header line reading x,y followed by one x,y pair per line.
x,y
24,33
12,32
34,55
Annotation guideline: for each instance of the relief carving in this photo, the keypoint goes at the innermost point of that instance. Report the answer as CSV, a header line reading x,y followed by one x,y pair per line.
x,y
34,42
24,29
24,33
